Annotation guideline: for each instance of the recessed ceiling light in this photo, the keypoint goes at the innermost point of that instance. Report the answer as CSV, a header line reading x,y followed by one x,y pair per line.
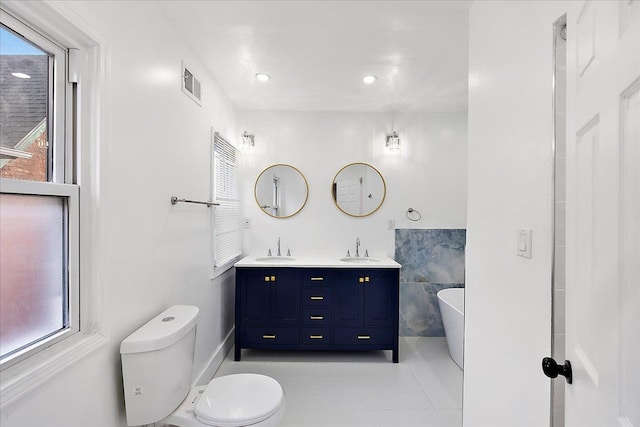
x,y
369,79
21,75
263,77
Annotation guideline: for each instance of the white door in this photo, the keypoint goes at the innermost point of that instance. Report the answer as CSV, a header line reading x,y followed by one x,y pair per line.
x,y
349,195
603,212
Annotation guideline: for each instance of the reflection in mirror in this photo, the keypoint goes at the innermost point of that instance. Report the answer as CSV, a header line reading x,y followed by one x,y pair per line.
x,y
358,189
281,191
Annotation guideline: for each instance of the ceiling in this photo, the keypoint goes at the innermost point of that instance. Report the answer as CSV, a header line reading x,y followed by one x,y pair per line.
x,y
317,52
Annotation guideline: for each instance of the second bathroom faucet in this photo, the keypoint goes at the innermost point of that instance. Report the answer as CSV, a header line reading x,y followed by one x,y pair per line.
x,y
366,252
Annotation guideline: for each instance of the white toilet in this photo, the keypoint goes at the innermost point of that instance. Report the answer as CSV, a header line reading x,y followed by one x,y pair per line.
x,y
156,371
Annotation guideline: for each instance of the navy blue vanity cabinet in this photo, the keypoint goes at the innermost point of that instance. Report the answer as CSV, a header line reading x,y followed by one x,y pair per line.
x,y
366,309
267,308
301,308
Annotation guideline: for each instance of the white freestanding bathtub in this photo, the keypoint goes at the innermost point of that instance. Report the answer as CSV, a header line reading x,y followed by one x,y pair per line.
x,y
451,302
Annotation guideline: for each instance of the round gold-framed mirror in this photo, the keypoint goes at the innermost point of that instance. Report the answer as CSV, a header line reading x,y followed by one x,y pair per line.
x,y
281,191
358,189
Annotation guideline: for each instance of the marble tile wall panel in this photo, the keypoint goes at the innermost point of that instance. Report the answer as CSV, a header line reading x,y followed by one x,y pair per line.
x,y
419,310
432,260
433,255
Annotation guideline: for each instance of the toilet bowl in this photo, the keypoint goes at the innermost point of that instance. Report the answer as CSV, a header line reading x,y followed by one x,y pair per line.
x,y
157,361
232,401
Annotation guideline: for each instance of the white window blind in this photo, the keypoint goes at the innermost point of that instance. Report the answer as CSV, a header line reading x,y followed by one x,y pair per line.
x,y
227,221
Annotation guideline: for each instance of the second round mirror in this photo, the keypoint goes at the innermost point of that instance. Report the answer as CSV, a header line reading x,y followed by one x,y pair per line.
x,y
281,191
358,189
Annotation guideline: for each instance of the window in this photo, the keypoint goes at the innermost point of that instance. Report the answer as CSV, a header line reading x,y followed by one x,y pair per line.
x,y
38,198
227,222
49,319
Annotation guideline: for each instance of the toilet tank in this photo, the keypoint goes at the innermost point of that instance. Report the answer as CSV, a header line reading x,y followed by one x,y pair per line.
x,y
156,364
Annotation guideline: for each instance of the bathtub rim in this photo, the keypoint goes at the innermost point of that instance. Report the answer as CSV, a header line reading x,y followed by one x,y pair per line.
x,y
450,298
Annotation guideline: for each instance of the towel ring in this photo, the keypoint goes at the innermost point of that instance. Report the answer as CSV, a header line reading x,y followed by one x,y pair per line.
x,y
413,215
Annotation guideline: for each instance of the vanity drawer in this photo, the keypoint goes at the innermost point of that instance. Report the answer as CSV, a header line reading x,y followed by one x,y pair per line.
x,y
316,277
269,335
316,296
316,316
364,336
316,335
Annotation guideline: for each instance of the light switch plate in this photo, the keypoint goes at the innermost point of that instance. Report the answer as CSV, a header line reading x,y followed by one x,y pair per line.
x,y
523,247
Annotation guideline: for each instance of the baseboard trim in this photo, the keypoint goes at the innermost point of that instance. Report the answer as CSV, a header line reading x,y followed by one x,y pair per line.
x,y
216,359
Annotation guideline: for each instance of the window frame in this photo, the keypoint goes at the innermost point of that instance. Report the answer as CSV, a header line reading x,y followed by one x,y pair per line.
x,y
60,180
88,58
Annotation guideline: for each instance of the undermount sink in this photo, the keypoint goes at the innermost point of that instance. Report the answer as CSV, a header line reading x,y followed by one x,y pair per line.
x,y
359,260
275,258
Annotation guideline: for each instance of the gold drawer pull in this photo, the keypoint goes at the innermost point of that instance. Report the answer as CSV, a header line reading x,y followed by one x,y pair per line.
x,y
266,278
269,337
364,337
366,278
317,279
316,317
361,279
315,337
273,278
317,298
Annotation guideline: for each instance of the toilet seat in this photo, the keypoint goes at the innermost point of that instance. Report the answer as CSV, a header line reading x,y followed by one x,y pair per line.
x,y
239,400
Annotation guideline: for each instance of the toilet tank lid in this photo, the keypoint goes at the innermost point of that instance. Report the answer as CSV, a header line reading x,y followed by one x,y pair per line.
x,y
163,330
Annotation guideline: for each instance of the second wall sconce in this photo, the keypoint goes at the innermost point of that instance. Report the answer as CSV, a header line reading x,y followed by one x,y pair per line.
x,y
393,141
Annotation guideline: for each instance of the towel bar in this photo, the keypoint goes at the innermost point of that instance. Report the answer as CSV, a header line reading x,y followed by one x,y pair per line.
x,y
175,200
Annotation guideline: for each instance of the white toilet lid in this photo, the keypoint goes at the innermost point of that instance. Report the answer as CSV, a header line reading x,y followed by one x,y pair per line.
x,y
239,400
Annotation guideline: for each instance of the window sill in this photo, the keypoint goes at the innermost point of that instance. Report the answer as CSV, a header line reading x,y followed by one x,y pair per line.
x,y
219,271
24,377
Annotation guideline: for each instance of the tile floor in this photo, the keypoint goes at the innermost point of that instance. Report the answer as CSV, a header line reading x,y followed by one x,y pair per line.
x,y
325,389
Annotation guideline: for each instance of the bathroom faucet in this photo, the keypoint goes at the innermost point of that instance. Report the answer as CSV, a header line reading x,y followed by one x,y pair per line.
x,y
357,246
279,254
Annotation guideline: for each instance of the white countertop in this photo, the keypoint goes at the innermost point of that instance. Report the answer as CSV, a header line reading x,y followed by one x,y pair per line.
x,y
318,262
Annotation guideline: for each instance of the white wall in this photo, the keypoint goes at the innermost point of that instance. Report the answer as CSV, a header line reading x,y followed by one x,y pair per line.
x,y
154,254
429,174
508,298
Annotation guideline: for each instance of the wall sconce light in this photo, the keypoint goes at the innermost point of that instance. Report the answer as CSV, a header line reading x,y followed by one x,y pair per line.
x,y
247,140
393,141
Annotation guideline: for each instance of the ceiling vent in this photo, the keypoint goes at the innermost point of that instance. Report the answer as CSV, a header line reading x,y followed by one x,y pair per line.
x,y
191,85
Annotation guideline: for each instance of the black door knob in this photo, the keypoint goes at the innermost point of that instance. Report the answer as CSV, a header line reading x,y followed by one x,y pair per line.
x,y
551,369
